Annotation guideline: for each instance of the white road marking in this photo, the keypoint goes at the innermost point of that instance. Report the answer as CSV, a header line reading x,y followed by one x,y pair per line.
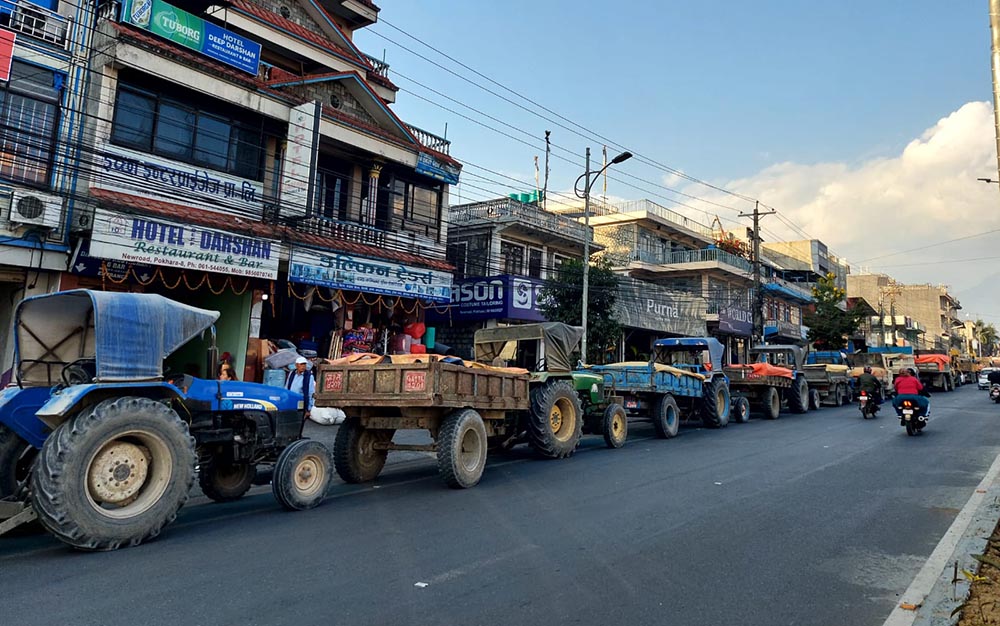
x,y
938,560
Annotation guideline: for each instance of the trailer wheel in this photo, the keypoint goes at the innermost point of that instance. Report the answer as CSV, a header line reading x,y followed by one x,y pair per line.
x,y
354,453
772,404
555,424
614,426
798,396
16,457
838,395
302,475
715,403
814,399
741,410
226,482
461,449
114,475
666,417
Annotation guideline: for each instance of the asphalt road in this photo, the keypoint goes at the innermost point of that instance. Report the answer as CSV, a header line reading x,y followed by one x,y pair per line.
x,y
818,519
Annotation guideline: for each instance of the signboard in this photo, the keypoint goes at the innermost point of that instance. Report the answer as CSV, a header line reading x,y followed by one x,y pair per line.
x,y
296,175
502,297
652,307
84,264
782,328
141,239
734,320
137,173
342,271
7,41
430,166
190,31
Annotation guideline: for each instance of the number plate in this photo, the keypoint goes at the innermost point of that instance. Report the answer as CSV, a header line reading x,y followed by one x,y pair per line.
x,y
631,404
415,381
907,412
334,381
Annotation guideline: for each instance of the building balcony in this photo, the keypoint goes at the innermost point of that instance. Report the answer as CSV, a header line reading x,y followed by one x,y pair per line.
x,y
381,67
352,232
39,23
693,262
527,218
651,217
429,140
357,13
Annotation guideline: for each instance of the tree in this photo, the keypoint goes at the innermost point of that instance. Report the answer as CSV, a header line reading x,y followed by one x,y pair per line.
x,y
986,335
829,325
561,299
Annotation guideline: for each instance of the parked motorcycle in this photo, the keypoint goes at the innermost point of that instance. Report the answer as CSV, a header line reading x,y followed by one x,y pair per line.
x,y
912,416
868,405
995,393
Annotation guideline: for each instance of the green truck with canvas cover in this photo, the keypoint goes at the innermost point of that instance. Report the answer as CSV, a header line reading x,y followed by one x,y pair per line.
x,y
465,408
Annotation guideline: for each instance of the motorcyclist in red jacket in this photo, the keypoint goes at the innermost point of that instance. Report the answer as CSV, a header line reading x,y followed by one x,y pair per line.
x,y
907,384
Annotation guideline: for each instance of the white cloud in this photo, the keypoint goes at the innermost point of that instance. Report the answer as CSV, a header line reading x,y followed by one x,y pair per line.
x,y
925,194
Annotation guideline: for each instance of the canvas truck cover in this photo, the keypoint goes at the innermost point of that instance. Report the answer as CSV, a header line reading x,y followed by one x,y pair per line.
x,y
560,341
128,334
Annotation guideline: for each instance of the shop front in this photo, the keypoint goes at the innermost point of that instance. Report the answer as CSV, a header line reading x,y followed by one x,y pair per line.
x,y
338,303
485,301
185,261
649,312
734,329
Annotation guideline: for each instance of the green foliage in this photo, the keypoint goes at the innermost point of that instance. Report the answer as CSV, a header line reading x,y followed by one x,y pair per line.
x,y
828,325
986,335
561,301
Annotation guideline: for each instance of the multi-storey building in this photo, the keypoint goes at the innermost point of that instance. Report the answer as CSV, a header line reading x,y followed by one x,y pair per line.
x,y
40,118
245,158
502,251
929,306
805,261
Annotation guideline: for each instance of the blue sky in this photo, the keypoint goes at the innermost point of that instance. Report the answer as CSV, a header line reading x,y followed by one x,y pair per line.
x,y
838,114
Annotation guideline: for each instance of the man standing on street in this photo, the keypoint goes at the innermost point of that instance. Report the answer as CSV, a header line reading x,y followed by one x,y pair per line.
x,y
301,380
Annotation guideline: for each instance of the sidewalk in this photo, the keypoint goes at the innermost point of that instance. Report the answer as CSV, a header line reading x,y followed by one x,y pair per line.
x,y
935,592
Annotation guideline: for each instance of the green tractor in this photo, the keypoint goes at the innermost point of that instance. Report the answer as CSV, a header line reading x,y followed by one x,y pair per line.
x,y
564,403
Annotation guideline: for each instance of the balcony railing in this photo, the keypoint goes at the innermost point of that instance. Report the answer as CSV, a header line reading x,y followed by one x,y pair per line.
x,y
710,255
41,23
430,140
673,217
370,236
381,67
508,210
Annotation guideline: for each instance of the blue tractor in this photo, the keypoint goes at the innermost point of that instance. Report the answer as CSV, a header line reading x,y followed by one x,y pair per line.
x,y
103,447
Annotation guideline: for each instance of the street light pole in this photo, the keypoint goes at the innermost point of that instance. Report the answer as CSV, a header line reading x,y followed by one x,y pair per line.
x,y
585,194
586,258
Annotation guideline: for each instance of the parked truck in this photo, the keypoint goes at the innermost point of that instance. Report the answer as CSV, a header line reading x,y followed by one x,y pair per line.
x,y
885,363
935,370
102,447
828,375
774,379
683,379
467,407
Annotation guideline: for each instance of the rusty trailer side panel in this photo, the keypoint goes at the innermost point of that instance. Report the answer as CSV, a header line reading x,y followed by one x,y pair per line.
x,y
420,385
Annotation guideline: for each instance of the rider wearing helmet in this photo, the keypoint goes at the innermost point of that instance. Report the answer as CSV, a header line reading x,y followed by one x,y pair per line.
x,y
870,385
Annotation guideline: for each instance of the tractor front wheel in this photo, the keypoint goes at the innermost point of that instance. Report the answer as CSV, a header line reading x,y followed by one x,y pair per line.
x,y
114,475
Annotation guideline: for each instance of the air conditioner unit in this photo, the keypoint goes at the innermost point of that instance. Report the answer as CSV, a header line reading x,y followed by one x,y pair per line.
x,y
32,208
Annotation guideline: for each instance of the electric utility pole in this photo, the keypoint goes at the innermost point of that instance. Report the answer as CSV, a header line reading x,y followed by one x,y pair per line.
x,y
758,289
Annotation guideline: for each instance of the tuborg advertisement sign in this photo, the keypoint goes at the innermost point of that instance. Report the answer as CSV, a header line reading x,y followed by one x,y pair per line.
x,y
141,239
493,297
190,31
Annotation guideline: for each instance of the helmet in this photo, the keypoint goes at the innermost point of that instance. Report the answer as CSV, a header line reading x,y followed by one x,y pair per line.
x,y
868,369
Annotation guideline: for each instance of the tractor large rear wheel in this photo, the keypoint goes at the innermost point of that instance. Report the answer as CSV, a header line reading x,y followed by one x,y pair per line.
x,y
16,457
715,403
114,475
556,421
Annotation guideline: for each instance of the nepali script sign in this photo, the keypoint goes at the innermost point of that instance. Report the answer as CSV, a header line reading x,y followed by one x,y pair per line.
x,y
141,239
341,271
140,174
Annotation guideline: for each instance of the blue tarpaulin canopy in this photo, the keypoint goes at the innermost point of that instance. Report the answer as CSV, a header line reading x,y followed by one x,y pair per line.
x,y
128,334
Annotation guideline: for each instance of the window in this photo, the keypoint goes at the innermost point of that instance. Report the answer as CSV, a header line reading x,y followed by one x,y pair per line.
x,y
512,257
213,136
29,112
334,192
456,255
410,207
534,262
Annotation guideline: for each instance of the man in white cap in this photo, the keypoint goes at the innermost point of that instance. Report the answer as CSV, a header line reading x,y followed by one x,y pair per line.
x,y
300,380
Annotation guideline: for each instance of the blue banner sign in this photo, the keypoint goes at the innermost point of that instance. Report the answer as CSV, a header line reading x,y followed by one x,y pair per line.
x,y
503,297
342,271
430,166
735,320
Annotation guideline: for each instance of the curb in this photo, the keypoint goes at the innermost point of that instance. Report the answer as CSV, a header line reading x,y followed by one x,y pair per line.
x,y
934,592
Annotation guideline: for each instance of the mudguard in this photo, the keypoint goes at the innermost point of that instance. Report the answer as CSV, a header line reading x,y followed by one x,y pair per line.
x,y
17,411
70,400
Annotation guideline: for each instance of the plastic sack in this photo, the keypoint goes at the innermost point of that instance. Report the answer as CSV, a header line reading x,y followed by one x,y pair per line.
x,y
326,416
